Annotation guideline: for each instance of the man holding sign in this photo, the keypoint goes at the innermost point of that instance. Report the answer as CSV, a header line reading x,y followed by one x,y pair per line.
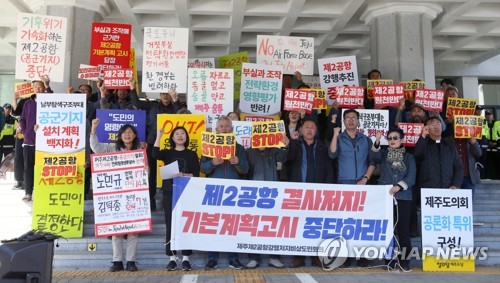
x,y
226,169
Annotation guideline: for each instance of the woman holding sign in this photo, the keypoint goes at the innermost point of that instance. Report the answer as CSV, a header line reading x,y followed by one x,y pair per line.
x,y
189,166
397,167
127,140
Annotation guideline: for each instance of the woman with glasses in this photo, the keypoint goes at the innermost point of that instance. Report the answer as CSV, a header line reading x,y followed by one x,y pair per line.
x,y
397,168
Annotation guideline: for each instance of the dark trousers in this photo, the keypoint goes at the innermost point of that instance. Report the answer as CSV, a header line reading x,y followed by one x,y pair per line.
x,y
402,213
29,168
7,146
19,161
167,207
152,176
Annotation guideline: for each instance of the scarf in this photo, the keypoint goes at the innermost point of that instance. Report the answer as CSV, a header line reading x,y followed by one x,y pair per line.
x,y
395,158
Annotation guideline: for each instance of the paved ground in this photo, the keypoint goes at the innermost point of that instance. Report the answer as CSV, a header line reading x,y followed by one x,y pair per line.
x,y
301,275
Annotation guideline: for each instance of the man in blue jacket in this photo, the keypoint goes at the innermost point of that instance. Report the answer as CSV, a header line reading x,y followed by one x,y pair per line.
x,y
352,149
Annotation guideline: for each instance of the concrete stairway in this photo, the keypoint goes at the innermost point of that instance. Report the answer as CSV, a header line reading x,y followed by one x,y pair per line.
x,y
73,253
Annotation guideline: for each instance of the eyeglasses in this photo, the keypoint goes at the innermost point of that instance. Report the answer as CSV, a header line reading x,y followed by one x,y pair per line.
x,y
351,118
393,138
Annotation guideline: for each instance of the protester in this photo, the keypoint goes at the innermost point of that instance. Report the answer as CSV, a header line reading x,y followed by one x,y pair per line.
x,y
226,169
397,168
262,164
189,166
441,166
126,140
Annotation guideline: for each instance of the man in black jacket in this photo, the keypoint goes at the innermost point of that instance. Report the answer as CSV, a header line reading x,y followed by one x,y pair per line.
x,y
440,164
310,164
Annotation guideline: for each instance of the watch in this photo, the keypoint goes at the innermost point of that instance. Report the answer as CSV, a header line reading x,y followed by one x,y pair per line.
x,y
366,177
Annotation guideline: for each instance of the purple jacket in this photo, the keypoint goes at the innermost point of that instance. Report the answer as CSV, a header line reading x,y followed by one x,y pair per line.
x,y
28,119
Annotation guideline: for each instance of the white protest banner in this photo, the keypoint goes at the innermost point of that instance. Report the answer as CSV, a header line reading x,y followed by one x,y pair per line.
x,y
277,217
243,131
447,234
210,91
204,63
260,92
371,122
338,71
41,47
88,72
164,63
292,53
121,193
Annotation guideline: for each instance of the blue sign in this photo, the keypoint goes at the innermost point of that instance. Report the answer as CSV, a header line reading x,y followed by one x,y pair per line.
x,y
111,120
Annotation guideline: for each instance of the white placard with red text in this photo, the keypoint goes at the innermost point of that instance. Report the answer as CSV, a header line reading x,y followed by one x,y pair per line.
x,y
277,217
41,46
164,63
294,54
338,71
88,72
121,193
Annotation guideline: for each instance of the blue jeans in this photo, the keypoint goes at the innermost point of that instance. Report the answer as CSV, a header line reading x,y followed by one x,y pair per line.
x,y
215,256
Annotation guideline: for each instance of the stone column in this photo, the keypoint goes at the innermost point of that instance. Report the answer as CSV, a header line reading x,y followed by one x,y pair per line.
x,y
468,86
401,40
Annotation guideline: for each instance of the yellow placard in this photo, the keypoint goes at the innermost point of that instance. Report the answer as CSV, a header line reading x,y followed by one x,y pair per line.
x,y
370,84
254,118
194,124
22,90
58,198
460,106
268,134
133,65
218,145
468,126
234,61
431,263
319,98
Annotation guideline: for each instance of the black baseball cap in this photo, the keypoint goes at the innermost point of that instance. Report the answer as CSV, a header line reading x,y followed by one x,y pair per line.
x,y
7,105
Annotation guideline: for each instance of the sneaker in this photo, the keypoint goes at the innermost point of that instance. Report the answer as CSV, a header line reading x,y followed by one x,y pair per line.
x,y
236,264
117,266
186,265
27,198
276,263
131,266
211,264
171,266
18,186
252,264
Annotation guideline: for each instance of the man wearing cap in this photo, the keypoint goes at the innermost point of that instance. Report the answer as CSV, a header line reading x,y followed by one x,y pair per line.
x,y
416,114
491,130
7,139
